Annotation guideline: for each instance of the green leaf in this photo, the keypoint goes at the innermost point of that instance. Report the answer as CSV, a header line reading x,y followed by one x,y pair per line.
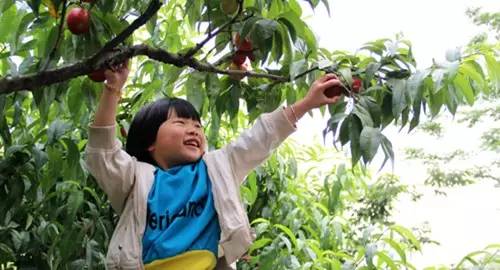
x,y
469,257
50,41
493,70
377,46
275,7
72,157
295,7
415,83
27,65
297,67
7,253
277,50
461,83
369,141
493,246
438,79
436,101
89,91
74,98
355,127
370,71
310,40
259,220
398,88
291,29
405,114
470,69
374,109
288,50
388,152
248,26
195,92
417,96
334,196
151,24
3,101
299,28
56,130
75,200
407,234
55,167
363,115
344,130
346,75
5,132
387,260
40,158
259,244
193,11
327,6
8,21
265,28
5,5
288,232
293,22
16,239
397,247
234,100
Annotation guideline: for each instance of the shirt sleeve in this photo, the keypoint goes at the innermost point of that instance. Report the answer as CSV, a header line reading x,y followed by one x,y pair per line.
x,y
254,145
112,167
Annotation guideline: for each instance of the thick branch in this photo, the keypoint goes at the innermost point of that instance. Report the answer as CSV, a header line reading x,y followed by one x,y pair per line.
x,y
45,78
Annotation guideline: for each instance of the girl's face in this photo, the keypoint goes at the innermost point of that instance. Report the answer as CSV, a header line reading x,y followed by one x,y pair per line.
x,y
178,141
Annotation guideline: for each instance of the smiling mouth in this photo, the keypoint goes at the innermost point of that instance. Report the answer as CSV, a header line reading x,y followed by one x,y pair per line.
x,y
192,143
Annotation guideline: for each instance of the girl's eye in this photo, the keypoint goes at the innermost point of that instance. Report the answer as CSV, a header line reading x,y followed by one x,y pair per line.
x,y
197,125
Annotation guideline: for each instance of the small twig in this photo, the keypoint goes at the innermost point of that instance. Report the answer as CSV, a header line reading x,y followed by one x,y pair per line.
x,y
211,50
211,34
59,34
362,257
209,17
153,7
305,72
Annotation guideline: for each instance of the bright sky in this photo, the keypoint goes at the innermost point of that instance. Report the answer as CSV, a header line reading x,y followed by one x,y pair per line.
x,y
469,217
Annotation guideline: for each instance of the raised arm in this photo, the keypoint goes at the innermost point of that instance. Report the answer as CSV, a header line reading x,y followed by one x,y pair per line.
x,y
112,167
254,145
106,110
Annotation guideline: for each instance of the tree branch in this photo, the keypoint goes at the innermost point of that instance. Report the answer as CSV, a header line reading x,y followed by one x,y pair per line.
x,y
153,7
49,77
306,72
59,34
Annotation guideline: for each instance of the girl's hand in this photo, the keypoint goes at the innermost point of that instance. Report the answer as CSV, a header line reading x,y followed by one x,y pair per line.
x,y
316,96
116,77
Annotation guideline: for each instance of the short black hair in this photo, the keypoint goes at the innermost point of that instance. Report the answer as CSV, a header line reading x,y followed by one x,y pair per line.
x,y
145,125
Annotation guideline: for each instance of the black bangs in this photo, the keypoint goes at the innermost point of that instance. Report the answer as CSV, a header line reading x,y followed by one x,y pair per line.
x,y
145,125
184,109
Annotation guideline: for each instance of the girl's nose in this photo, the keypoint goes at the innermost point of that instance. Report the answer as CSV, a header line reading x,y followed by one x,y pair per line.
x,y
193,130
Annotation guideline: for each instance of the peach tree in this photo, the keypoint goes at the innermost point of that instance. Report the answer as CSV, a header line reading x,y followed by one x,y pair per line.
x,y
232,59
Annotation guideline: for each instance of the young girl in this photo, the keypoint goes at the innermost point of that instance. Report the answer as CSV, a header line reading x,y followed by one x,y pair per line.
x,y
179,205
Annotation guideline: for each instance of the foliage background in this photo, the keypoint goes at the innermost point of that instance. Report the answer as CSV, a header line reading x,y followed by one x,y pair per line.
x,y
52,214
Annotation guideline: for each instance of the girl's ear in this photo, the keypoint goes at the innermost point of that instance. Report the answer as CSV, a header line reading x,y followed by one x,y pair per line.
x,y
151,148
